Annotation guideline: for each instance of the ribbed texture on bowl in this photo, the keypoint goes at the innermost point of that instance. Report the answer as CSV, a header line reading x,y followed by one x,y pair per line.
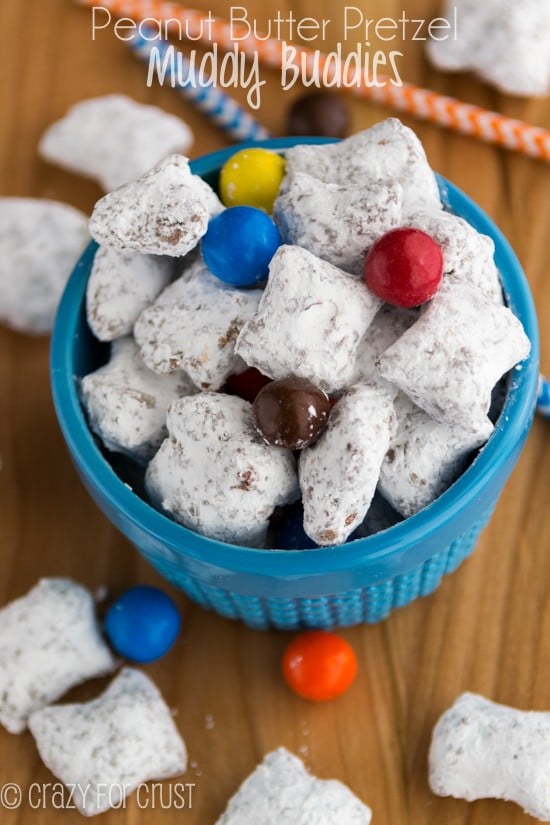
x,y
367,604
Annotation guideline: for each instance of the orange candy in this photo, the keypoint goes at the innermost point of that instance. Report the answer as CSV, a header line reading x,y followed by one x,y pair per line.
x,y
319,665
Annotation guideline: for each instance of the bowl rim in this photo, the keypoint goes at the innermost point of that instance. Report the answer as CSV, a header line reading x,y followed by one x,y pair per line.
x,y
374,552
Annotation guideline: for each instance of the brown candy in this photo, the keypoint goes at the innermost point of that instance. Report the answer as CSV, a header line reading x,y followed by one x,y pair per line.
x,y
291,412
319,113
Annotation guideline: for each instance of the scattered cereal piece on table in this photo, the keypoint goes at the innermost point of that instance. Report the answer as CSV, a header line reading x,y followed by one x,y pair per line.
x,y
121,285
506,44
450,359
337,223
49,642
310,321
164,212
104,749
143,624
216,475
280,791
339,473
40,243
388,151
481,750
113,139
127,403
194,325
319,665
425,457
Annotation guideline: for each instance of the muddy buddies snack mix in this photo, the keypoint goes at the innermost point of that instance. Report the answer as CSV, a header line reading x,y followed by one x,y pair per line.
x,y
216,474
113,139
506,44
40,240
49,642
481,749
194,325
127,403
280,791
378,335
165,212
104,749
121,286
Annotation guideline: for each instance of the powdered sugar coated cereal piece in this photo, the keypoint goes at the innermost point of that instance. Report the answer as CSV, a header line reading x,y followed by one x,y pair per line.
x,y
467,254
216,475
113,139
310,321
205,192
388,151
104,749
194,325
451,358
165,212
40,242
338,474
388,325
481,750
127,403
337,223
49,642
121,285
424,458
280,791
506,44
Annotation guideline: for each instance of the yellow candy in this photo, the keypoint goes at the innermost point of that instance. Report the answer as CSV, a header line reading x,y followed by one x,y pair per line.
x,y
252,177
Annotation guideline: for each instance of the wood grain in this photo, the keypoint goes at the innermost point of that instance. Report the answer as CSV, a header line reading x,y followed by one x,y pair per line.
x,y
486,629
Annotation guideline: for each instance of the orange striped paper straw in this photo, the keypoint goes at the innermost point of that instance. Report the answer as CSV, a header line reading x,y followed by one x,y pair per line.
x,y
425,104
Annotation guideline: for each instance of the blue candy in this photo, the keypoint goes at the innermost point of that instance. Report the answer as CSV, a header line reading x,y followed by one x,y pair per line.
x,y
239,244
143,624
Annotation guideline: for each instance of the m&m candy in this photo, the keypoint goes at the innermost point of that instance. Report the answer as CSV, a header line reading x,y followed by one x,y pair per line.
x,y
143,624
404,267
291,412
319,665
319,113
239,245
252,177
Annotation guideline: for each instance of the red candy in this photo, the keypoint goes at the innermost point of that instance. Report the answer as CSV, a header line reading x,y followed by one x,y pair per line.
x,y
246,384
319,665
404,267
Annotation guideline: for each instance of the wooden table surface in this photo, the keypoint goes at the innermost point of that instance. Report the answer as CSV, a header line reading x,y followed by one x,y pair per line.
x,y
487,628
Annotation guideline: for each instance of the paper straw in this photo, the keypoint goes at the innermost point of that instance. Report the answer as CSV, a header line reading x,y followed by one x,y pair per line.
x,y
448,112
543,397
218,107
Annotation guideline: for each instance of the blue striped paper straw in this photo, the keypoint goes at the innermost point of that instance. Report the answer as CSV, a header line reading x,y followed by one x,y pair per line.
x,y
217,106
543,397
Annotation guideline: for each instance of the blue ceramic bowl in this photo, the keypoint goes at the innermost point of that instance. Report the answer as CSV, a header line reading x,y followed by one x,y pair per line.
x,y
362,581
